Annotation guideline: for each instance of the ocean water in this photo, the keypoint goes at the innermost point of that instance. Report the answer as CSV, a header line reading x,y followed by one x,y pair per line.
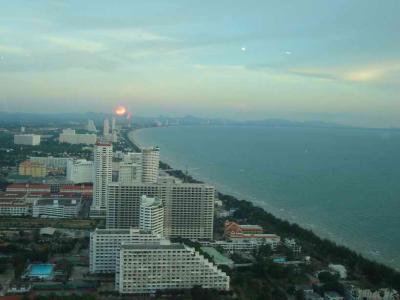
x,y
343,184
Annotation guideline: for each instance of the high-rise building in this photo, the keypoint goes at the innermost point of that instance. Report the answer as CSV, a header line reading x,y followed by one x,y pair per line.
x,y
129,172
151,215
189,210
113,127
149,267
106,128
27,139
124,203
90,126
150,161
189,207
105,246
80,171
102,158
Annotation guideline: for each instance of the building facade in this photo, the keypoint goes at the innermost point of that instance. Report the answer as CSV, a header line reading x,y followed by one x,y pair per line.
x,y
129,172
80,171
151,215
151,161
51,162
105,245
70,137
189,207
56,208
27,139
34,169
151,267
102,158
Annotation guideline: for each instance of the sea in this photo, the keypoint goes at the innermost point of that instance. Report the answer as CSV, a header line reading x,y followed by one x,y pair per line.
x,y
342,183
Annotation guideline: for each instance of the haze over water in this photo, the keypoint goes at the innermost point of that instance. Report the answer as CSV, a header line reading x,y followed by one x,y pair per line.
x,y
341,183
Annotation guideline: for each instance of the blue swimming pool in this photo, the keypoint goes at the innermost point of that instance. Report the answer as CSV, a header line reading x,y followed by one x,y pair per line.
x,y
40,271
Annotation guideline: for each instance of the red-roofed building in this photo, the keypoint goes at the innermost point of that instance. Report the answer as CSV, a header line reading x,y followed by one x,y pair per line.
x,y
28,187
233,229
82,189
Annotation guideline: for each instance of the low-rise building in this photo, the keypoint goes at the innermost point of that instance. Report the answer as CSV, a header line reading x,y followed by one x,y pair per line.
x,y
14,204
248,244
80,171
232,229
338,269
333,296
56,208
150,267
105,246
83,189
70,137
28,188
51,162
27,139
292,245
34,169
353,292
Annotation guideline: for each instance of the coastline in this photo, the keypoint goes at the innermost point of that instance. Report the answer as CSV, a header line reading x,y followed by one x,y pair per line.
x,y
321,248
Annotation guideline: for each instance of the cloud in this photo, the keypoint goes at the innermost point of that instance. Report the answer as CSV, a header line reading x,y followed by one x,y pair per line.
x,y
130,34
78,45
376,72
4,49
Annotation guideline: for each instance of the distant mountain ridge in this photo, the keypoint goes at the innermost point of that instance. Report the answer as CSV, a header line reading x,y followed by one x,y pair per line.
x,y
73,118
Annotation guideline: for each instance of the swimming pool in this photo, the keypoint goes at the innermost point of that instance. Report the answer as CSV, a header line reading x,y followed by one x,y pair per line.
x,y
40,271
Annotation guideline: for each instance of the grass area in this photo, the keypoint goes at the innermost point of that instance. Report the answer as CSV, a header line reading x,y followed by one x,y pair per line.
x,y
10,222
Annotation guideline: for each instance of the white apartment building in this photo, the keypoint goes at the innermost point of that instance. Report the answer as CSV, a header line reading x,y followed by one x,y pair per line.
x,y
90,126
56,208
147,268
27,139
51,162
129,172
135,157
106,128
248,245
151,161
105,246
15,208
80,171
70,137
151,215
102,158
189,207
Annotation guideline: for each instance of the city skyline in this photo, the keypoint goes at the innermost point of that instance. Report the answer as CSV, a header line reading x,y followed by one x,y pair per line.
x,y
307,60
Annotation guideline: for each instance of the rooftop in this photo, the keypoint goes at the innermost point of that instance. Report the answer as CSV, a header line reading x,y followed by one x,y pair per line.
x,y
59,201
164,245
218,257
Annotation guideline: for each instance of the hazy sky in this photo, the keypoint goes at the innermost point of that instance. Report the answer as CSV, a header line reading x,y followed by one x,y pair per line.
x,y
330,60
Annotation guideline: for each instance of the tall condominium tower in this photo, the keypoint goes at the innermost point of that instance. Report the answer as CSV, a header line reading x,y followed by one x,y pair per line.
x,y
113,127
102,175
150,161
106,128
151,215
189,207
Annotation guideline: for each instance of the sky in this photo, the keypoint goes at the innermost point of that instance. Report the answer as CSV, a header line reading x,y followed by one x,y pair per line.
x,y
333,61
